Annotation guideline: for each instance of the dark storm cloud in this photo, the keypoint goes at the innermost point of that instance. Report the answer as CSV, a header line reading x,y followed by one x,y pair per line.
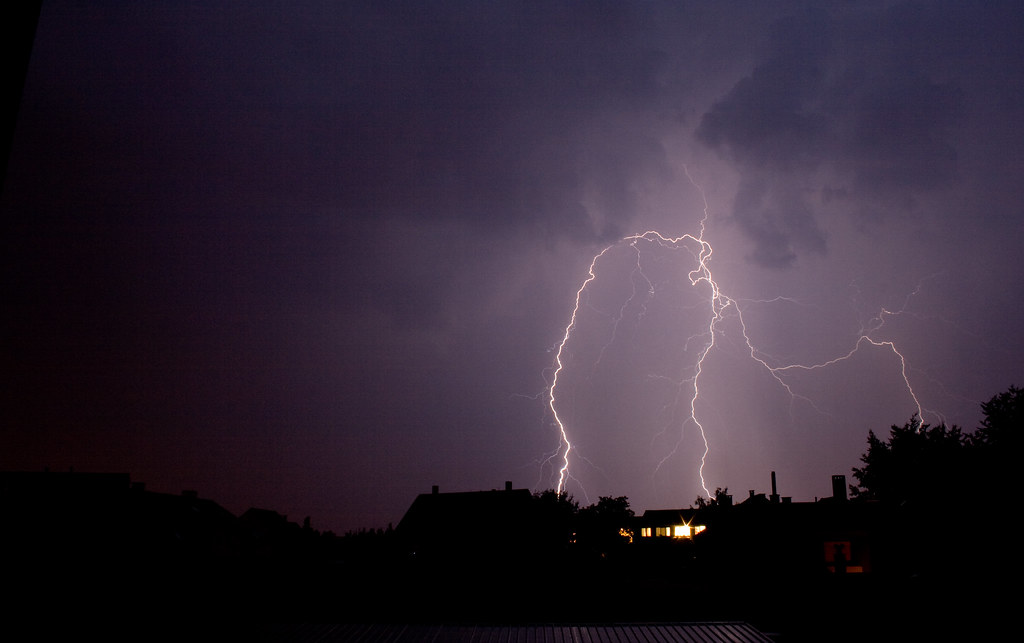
x,y
488,113
780,220
331,244
769,118
833,95
469,112
898,142
507,119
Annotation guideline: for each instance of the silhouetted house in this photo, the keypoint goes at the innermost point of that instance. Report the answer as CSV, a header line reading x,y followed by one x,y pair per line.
x,y
758,499
265,521
60,500
269,533
84,540
670,523
769,534
473,525
75,518
55,519
183,526
93,542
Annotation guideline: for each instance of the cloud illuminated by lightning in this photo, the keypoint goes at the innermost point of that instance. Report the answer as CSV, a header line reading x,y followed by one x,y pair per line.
x,y
720,307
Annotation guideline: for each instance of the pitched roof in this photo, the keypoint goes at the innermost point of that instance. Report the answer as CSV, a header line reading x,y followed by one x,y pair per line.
x,y
714,632
447,509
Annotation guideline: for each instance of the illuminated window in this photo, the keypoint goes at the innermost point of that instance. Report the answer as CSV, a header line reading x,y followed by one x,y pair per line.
x,y
662,531
681,531
645,532
698,529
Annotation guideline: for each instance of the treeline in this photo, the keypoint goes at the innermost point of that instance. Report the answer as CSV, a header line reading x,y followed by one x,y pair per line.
x,y
920,463
950,494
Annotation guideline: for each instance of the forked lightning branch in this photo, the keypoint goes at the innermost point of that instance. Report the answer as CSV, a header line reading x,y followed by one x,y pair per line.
x,y
719,307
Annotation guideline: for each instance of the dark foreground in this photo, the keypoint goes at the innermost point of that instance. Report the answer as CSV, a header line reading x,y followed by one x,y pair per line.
x,y
270,602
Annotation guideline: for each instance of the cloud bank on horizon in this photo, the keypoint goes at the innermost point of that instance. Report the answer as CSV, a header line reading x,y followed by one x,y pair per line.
x,y
316,258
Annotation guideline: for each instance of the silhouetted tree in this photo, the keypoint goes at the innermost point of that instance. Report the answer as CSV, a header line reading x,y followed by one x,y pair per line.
x,y
556,513
1003,421
926,474
720,498
910,465
919,461
996,446
605,524
555,503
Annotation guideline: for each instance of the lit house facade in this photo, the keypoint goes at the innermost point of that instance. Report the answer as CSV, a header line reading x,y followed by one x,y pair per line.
x,y
670,523
772,534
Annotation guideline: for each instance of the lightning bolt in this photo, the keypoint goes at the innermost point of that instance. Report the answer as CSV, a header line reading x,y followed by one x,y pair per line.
x,y
719,307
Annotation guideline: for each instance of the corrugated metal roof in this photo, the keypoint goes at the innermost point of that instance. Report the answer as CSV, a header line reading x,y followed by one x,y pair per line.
x,y
715,632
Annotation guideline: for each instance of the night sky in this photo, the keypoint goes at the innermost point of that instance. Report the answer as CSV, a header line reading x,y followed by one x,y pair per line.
x,y
317,257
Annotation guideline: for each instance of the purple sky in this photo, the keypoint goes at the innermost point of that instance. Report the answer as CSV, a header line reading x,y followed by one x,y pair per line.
x,y
317,257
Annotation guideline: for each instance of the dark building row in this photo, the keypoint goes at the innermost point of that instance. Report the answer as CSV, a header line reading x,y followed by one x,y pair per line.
x,y
93,543
761,534
830,535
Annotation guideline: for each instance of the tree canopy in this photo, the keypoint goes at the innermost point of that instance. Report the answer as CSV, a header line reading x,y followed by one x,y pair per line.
x,y
721,498
919,463
599,526
926,477
1003,421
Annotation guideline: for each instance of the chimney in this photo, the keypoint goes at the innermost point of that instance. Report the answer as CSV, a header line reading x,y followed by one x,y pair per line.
x,y
775,492
434,490
508,485
839,487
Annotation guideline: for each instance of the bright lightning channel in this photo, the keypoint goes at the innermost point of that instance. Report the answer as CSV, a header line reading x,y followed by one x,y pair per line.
x,y
718,304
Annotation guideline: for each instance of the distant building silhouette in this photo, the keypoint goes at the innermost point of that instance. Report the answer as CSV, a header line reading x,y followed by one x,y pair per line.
x,y
469,525
95,541
772,534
